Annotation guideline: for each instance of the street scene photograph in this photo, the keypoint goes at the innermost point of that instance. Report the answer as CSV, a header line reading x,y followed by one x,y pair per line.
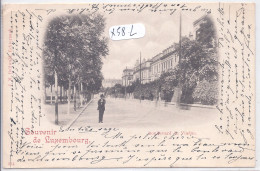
x,y
167,78
129,85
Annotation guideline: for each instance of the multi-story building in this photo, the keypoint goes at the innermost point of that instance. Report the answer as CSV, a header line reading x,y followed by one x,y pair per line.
x,y
164,62
197,32
156,67
127,77
167,60
137,70
196,25
144,71
151,69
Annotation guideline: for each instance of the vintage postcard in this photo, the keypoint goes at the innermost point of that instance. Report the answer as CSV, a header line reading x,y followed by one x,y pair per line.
x,y
105,85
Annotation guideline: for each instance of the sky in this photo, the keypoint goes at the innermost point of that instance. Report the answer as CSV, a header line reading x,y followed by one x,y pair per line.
x,y
162,30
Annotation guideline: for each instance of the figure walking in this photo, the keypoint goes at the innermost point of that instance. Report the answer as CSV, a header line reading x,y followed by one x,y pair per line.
x,y
101,107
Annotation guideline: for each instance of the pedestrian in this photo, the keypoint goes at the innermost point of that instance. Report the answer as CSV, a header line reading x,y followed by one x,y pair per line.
x,y
101,107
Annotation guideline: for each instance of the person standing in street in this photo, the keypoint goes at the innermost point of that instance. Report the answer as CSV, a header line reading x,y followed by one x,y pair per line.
x,y
101,107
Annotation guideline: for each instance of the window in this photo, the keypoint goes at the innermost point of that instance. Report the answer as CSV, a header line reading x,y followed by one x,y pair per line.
x,y
162,66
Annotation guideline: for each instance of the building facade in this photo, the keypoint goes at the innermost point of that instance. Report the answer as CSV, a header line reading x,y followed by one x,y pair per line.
x,y
127,77
151,69
164,62
196,25
156,67
168,59
142,70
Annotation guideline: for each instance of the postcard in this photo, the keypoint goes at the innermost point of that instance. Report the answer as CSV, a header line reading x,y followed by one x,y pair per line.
x,y
114,85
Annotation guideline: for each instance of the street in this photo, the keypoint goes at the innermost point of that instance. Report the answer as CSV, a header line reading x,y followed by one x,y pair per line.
x,y
129,113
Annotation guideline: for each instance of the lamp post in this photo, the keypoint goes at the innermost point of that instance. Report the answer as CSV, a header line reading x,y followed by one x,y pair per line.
x,y
125,87
140,68
127,79
177,90
140,74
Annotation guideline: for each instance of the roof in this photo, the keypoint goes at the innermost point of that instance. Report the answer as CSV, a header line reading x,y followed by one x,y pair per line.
x,y
127,69
168,54
199,20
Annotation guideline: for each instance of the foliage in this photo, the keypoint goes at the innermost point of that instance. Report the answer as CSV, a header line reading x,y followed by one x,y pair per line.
x,y
206,92
168,81
74,47
199,61
196,74
206,34
131,88
116,91
147,91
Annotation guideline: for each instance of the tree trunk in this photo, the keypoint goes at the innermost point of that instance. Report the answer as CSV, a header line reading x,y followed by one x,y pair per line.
x,y
74,98
60,93
81,94
85,94
69,96
56,98
51,94
45,94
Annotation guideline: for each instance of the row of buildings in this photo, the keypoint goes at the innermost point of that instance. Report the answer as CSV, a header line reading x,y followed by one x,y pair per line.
x,y
151,69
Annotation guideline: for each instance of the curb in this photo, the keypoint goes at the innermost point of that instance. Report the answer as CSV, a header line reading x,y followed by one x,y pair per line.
x,y
194,105
199,106
182,104
74,120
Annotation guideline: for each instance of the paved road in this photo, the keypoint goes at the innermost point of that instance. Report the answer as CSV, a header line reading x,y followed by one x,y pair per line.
x,y
132,113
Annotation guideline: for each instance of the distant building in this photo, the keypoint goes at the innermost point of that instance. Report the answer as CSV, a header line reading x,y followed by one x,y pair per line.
x,y
164,62
156,67
168,59
110,82
152,69
127,77
196,25
136,72
144,71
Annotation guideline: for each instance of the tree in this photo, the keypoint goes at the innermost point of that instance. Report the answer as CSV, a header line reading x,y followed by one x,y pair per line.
x,y
168,81
206,92
73,49
199,62
206,33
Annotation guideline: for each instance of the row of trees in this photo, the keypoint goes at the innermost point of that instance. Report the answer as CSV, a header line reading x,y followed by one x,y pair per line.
x,y
73,50
196,74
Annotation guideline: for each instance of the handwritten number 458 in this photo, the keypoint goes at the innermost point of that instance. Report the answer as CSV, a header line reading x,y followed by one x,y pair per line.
x,y
121,31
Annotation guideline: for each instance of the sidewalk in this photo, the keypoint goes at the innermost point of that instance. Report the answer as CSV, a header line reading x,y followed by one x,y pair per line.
x,y
130,113
165,104
63,117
